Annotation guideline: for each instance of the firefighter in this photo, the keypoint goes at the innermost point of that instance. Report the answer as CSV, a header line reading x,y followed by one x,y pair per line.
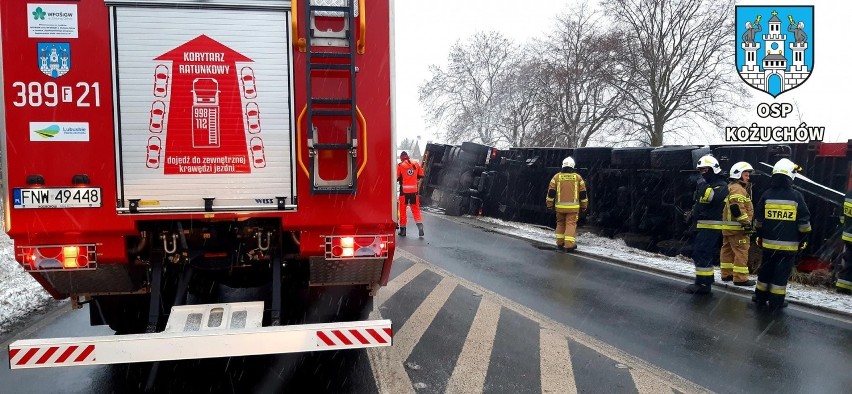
x,y
710,195
735,243
783,225
567,195
844,277
408,174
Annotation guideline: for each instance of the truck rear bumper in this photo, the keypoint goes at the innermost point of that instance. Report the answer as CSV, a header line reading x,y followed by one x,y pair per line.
x,y
189,335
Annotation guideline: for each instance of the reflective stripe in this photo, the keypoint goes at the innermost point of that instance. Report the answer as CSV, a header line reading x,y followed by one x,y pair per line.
x,y
560,236
780,290
743,218
780,245
719,225
704,271
782,202
568,206
844,284
708,195
760,285
584,200
740,269
847,207
726,265
550,199
805,228
572,239
847,236
740,197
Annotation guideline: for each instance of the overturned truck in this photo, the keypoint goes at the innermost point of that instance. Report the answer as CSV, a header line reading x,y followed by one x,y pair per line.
x,y
637,194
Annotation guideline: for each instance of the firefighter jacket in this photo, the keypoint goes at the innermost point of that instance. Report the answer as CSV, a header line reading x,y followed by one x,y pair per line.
x,y
567,192
408,173
782,219
739,194
846,219
710,197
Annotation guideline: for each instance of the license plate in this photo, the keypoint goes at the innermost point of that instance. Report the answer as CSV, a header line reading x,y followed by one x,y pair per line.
x,y
58,197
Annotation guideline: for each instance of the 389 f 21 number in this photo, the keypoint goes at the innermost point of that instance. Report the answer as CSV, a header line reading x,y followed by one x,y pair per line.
x,y
49,94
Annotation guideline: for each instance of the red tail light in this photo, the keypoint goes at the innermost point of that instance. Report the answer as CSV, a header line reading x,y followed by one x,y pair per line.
x,y
57,257
362,246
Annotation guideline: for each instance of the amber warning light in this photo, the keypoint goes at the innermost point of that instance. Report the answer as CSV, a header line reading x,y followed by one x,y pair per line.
x,y
57,257
362,246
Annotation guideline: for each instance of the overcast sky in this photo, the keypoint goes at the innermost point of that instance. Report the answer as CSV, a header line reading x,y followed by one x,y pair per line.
x,y
425,31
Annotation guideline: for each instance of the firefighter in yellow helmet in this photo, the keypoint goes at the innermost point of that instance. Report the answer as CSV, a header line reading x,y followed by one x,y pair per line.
x,y
735,243
783,225
567,195
710,195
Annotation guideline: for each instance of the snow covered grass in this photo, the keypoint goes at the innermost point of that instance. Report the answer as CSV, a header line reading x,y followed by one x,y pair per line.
x,y
20,294
679,265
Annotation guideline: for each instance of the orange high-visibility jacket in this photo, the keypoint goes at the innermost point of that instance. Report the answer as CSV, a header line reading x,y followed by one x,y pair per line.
x,y
567,191
407,174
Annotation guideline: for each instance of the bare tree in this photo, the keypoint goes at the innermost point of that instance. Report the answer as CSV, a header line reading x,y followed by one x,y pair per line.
x,y
676,69
578,99
406,143
462,97
518,104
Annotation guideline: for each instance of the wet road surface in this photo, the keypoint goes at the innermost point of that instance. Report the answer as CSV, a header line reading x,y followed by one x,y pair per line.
x,y
476,311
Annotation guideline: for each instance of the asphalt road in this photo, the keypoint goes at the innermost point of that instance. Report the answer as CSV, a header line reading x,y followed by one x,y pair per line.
x,y
476,311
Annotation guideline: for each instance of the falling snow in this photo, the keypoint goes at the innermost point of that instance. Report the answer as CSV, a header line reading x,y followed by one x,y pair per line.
x,y
20,294
679,265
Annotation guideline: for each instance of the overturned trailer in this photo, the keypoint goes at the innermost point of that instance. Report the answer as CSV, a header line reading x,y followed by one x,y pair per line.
x,y
638,194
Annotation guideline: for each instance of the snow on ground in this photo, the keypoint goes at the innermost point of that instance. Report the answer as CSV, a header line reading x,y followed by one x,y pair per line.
x,y
20,294
679,265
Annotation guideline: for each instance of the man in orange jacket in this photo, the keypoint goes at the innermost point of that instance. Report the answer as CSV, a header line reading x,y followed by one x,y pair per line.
x,y
408,174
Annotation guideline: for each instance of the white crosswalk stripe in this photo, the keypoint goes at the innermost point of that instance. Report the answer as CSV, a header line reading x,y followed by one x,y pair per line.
x,y
471,368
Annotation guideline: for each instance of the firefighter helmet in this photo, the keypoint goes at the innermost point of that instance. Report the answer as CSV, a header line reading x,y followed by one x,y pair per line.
x,y
708,161
786,167
739,168
568,162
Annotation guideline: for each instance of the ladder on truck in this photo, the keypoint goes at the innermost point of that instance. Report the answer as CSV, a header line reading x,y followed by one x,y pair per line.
x,y
330,53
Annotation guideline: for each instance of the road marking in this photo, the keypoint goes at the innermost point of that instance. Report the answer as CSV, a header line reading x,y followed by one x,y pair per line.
x,y
647,384
646,369
472,365
385,293
407,337
557,374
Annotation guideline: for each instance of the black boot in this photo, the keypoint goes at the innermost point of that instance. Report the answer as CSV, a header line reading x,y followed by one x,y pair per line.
x,y
746,283
420,229
844,291
402,231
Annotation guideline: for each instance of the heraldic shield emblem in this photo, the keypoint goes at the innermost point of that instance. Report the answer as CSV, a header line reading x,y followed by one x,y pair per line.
x,y
775,51
54,58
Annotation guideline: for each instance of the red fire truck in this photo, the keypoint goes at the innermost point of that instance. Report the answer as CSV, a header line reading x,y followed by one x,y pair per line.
x,y
212,178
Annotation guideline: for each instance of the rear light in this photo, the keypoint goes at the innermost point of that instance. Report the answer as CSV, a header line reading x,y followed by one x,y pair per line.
x,y
57,257
354,247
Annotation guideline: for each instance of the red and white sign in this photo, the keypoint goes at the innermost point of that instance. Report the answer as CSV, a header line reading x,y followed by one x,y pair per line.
x,y
204,120
353,336
52,356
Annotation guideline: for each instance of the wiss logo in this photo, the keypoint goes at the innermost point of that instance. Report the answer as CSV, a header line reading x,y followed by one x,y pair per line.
x,y
775,51
264,201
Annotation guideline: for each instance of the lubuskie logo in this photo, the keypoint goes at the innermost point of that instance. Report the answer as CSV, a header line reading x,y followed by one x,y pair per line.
x,y
39,14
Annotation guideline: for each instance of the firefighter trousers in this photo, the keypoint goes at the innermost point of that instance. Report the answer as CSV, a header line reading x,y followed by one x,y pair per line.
x,y
734,257
566,229
772,277
704,252
406,200
844,276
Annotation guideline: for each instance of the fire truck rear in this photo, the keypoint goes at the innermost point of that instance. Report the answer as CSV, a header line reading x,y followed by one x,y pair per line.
x,y
213,178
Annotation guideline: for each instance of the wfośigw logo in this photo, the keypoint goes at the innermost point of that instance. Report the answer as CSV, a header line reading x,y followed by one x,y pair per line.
x,y
775,51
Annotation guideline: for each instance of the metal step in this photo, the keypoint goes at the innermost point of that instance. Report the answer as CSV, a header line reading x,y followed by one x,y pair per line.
x,y
325,100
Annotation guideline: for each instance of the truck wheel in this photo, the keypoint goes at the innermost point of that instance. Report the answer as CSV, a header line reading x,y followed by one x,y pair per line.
x,y
673,157
589,157
631,158
331,304
126,314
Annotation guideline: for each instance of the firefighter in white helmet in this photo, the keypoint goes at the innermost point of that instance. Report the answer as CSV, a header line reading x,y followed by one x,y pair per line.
x,y
567,195
783,225
710,195
735,243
